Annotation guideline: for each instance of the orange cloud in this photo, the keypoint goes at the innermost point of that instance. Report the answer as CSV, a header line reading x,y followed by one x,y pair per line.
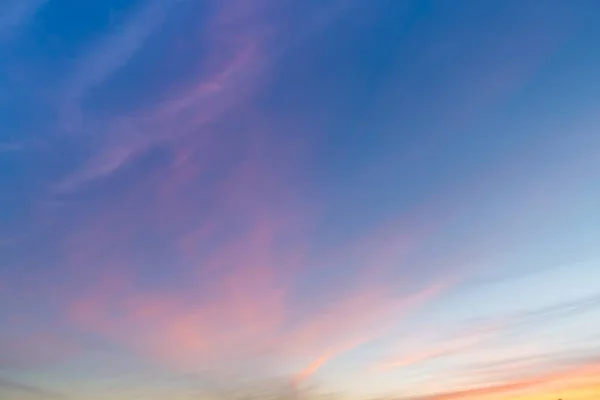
x,y
579,382
312,368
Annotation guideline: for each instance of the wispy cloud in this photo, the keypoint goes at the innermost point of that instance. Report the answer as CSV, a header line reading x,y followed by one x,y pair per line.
x,y
557,312
115,49
380,319
462,342
115,141
122,145
240,42
235,55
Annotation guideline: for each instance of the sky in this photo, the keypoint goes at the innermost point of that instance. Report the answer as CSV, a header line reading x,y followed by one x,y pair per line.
x,y
365,199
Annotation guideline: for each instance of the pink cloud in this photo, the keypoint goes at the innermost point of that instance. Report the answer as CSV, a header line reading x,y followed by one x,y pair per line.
x,y
236,298
245,311
240,304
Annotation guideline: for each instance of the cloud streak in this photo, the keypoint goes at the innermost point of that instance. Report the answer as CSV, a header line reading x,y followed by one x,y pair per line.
x,y
464,341
380,318
234,58
574,379
115,50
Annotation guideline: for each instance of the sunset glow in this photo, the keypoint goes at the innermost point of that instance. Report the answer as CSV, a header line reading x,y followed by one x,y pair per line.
x,y
364,199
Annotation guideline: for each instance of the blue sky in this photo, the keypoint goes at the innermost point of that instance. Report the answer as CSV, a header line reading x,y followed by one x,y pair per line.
x,y
371,198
